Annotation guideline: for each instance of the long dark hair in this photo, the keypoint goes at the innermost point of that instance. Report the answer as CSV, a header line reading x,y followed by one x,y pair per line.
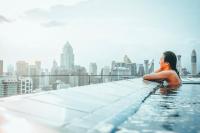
x,y
170,57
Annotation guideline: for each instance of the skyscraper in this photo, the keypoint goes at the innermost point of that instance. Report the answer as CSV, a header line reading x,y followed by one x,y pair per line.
x,y
82,78
10,70
44,80
22,68
35,70
194,62
24,85
38,67
1,67
8,86
105,72
146,63
151,68
54,71
67,57
179,66
141,70
93,69
32,72
133,68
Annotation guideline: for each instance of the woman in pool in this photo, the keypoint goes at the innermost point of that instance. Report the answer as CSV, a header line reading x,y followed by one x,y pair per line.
x,y
167,71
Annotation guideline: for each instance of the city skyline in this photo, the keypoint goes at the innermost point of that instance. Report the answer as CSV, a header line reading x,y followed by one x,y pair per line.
x,y
22,66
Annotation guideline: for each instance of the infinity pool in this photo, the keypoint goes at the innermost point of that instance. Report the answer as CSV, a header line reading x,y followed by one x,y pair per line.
x,y
167,111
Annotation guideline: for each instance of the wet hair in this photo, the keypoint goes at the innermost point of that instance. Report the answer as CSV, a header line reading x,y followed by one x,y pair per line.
x,y
170,57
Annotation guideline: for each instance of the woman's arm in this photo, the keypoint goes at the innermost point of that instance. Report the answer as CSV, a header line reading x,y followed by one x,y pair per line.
x,y
158,70
157,76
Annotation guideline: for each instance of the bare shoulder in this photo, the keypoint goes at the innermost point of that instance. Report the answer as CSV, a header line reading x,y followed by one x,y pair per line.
x,y
167,72
171,71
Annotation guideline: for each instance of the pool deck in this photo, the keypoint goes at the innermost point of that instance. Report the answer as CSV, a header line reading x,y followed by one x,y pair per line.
x,y
93,108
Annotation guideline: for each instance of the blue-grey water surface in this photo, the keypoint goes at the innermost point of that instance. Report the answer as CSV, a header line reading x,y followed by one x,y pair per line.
x,y
167,111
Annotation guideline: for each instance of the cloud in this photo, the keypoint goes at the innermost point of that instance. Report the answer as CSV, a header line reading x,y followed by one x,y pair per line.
x,y
36,13
141,12
85,9
141,29
4,19
51,24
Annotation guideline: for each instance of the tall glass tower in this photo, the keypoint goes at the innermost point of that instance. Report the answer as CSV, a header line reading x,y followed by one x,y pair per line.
x,y
67,57
194,62
179,66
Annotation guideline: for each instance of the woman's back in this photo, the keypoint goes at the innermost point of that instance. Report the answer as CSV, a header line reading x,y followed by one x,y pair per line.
x,y
173,79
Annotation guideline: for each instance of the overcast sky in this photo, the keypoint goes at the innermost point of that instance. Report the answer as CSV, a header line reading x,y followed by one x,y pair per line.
x,y
99,30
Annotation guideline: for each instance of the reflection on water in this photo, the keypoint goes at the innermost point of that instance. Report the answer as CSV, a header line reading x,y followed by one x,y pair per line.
x,y
168,110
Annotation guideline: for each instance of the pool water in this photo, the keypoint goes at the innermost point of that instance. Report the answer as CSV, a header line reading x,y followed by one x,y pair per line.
x,y
167,111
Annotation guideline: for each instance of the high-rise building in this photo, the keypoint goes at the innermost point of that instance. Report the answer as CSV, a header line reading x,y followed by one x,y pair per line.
x,y
105,74
38,67
10,70
133,68
54,66
81,76
113,64
54,72
127,60
141,70
151,68
93,69
146,64
67,57
74,80
93,78
1,67
194,62
44,79
8,86
21,68
34,72
24,85
120,73
179,66
125,69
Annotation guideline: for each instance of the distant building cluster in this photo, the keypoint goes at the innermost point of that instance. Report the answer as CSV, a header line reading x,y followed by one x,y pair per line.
x,y
184,71
13,85
29,78
127,69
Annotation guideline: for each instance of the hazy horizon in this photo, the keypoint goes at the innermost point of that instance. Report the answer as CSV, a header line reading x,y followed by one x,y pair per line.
x,y
98,30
